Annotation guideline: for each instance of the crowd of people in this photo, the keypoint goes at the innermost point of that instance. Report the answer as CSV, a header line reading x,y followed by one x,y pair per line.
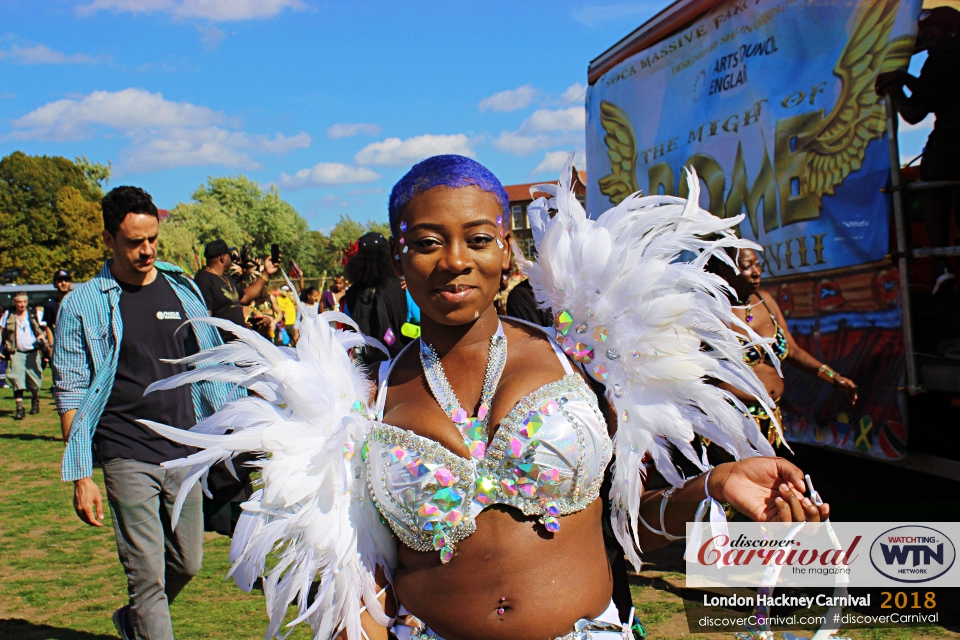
x,y
115,339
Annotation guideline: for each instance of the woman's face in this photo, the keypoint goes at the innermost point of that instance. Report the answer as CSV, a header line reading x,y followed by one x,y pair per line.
x,y
749,272
453,265
313,297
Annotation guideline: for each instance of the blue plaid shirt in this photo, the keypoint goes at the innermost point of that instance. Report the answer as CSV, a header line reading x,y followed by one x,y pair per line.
x,y
87,349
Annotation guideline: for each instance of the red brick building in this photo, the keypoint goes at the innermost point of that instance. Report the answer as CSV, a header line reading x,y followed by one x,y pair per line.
x,y
520,198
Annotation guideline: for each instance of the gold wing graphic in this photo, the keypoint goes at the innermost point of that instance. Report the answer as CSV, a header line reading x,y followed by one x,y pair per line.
x,y
838,146
622,151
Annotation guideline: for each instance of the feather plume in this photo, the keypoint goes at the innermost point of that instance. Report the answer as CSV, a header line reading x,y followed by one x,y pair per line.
x,y
312,514
637,311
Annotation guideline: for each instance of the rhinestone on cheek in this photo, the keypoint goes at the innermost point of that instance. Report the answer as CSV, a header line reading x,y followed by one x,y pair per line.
x,y
402,241
403,226
406,249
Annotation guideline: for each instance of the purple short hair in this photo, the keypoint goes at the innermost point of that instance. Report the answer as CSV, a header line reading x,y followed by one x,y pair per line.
x,y
444,171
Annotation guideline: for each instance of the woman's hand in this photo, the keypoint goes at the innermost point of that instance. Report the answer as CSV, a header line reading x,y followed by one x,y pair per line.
x,y
848,386
765,490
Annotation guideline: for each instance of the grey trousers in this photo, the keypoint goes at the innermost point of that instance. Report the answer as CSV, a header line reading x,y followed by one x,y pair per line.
x,y
158,561
24,372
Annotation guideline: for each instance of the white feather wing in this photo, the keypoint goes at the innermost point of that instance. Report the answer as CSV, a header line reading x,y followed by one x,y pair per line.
x,y
312,514
642,316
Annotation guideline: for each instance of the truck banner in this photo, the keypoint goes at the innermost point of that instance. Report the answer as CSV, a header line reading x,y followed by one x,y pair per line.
x,y
772,103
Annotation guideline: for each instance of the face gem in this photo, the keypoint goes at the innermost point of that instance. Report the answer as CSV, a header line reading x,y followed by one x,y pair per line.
x,y
531,424
348,450
447,498
499,219
478,449
389,337
552,509
396,256
482,411
364,451
549,407
446,555
563,322
429,511
509,487
406,249
403,226
514,448
552,524
600,334
499,243
357,407
582,352
486,490
402,241
459,416
600,372
444,477
397,454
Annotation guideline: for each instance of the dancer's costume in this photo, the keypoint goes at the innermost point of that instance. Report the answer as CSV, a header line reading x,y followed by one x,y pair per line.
x,y
631,312
753,355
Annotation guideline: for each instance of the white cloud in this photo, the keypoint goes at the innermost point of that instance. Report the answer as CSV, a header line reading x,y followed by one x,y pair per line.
x,y
574,93
553,161
522,145
326,174
42,54
394,152
346,129
215,10
596,15
509,100
924,125
210,35
163,133
542,120
369,191
333,202
127,110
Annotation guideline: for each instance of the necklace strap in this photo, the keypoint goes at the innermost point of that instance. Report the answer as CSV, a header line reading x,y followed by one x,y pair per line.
x,y
472,428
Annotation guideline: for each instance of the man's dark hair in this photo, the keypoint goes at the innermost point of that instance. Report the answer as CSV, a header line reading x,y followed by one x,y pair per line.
x,y
123,200
370,265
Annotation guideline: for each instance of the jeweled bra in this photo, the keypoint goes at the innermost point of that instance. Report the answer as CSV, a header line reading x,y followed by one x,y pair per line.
x,y
547,458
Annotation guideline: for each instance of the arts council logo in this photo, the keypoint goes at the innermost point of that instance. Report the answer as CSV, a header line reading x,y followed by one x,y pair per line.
x,y
912,554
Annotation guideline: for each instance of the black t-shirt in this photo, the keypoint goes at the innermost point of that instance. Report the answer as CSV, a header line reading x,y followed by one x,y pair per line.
x,y
377,310
50,310
522,304
151,315
221,295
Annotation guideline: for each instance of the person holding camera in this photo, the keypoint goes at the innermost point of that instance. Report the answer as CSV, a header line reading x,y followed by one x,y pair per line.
x,y
219,290
23,342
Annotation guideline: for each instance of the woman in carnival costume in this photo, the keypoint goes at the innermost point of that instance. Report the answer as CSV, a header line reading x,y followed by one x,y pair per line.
x,y
758,310
458,496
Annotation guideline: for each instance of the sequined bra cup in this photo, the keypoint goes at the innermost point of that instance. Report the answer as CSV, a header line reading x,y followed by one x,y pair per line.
x,y
546,459
753,355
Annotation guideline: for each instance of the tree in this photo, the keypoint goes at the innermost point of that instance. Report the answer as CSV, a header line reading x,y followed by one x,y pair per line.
x,y
98,175
49,219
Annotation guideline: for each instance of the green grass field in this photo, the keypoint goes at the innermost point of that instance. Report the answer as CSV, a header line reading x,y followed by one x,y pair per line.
x,y
61,580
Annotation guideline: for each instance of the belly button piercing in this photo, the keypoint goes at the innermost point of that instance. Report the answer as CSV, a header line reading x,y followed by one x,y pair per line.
x,y
501,611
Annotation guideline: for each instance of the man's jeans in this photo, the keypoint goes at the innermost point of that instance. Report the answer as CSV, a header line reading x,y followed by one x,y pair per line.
x,y
158,561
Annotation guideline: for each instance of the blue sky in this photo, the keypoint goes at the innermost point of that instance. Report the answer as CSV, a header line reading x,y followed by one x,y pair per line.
x,y
332,102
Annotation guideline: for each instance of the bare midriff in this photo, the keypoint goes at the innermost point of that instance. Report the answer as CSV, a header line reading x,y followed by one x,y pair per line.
x,y
770,379
511,579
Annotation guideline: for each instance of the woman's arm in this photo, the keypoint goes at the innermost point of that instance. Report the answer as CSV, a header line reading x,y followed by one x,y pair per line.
x,y
802,360
763,489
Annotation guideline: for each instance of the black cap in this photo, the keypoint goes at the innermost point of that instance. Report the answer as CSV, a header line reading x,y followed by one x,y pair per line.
x,y
216,249
61,274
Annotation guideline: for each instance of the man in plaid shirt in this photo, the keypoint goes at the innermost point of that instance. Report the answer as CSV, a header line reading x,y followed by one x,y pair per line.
x,y
111,337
